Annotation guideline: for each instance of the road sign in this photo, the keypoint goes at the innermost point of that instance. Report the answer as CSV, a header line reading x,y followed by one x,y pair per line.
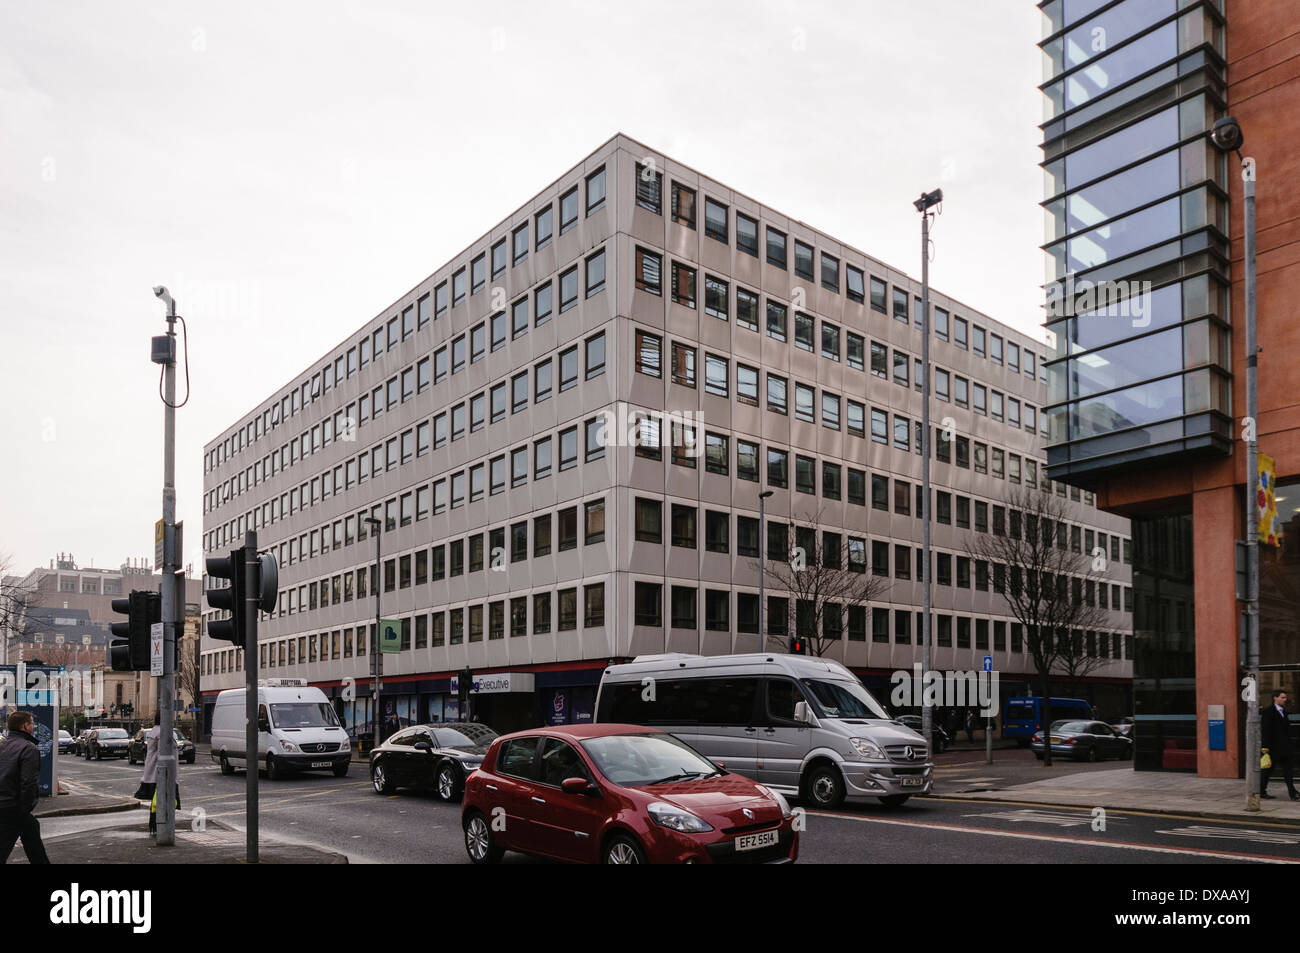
x,y
988,663
158,545
156,649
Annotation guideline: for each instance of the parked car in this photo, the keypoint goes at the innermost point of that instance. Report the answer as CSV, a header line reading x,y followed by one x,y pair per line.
x,y
941,739
619,794
109,743
67,743
435,758
298,730
806,727
1023,716
185,750
1083,741
1124,726
83,742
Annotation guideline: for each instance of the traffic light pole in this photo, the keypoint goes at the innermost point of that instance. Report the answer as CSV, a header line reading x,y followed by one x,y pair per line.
x,y
252,594
167,764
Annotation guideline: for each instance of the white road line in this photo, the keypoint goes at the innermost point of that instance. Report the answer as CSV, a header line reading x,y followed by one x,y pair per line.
x,y
1061,839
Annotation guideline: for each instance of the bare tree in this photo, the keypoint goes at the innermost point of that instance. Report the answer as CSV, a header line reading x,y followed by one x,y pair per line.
x,y
824,574
15,601
1043,581
188,676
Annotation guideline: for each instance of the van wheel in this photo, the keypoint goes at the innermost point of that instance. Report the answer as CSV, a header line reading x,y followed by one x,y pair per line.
x,y
273,771
225,765
824,787
479,843
380,780
621,849
448,782
894,800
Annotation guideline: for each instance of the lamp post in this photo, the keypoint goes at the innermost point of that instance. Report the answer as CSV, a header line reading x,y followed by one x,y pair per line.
x,y
1227,136
923,205
377,660
762,570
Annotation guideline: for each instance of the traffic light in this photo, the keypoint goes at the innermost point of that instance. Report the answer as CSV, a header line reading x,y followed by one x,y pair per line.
x,y
798,646
129,651
232,597
463,687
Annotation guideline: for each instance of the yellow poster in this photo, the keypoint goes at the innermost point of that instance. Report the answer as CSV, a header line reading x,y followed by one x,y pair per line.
x,y
1267,503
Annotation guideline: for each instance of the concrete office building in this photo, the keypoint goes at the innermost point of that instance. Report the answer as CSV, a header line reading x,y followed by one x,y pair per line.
x,y
522,537
1142,401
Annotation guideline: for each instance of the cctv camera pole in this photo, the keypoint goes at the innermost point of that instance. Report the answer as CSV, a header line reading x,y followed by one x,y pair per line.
x,y
376,660
923,205
1253,741
252,596
762,570
165,354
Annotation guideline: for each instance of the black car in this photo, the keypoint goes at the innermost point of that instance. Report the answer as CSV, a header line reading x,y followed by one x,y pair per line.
x,y
1083,741
67,743
941,739
108,743
434,758
83,742
185,750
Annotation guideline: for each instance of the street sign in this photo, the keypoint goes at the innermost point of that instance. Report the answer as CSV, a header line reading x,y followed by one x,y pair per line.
x,y
158,545
390,636
156,649
988,663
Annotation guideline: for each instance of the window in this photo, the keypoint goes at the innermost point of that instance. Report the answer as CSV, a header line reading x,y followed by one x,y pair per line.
x,y
715,375
568,368
959,334
995,348
879,360
568,448
901,361
683,285
648,353
803,260
746,234
649,271
830,411
594,438
805,474
683,365
776,394
457,290
649,189
878,295
649,520
593,521
746,309
568,531
683,205
715,453
683,614
879,426
777,468
830,273
715,219
543,229
803,402
747,384
542,458
831,342
568,289
542,305
776,316
519,393
830,480
776,252
477,275
717,531
854,283
542,381
683,526
595,355
649,600
683,442
595,273
519,318
941,324
715,297
716,610
596,190
803,331
568,209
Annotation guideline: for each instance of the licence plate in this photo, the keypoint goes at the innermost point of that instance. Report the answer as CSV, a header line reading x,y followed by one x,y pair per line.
x,y
1055,740
755,841
912,782
320,764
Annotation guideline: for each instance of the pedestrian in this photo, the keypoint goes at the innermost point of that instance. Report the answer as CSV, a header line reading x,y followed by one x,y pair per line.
x,y
970,725
149,779
20,778
1275,735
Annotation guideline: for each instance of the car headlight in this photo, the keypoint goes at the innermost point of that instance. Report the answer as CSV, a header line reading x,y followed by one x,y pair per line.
x,y
779,798
676,819
868,749
288,746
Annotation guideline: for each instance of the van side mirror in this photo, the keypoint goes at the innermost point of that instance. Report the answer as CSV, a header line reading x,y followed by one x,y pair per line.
x,y
264,724
801,713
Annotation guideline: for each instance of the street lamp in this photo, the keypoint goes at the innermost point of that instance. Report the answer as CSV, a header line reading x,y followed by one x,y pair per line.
x,y
762,570
1227,136
923,205
377,661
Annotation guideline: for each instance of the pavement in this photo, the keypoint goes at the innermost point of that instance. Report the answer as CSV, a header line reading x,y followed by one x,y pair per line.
x,y
1154,791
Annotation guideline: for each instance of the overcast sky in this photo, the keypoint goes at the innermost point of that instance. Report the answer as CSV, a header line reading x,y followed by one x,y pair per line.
x,y
290,169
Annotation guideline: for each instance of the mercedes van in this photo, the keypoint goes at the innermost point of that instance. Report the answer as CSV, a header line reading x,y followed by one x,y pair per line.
x,y
800,725
297,730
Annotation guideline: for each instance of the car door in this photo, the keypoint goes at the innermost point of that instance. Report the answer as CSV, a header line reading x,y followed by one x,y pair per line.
x,y
568,824
396,758
1107,747
422,767
782,742
513,788
725,712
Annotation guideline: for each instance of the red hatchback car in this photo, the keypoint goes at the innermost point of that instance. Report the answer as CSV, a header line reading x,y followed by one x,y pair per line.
x,y
619,794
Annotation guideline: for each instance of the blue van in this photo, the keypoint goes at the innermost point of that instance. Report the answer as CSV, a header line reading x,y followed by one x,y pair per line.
x,y
1023,716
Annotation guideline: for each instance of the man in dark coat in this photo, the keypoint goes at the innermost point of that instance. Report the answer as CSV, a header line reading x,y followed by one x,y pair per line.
x,y
20,773
1275,735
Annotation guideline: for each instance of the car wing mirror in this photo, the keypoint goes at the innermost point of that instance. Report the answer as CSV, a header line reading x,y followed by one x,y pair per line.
x,y
579,786
423,746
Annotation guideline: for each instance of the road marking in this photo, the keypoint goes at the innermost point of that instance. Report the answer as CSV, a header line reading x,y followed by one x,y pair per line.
x,y
1062,839
1259,837
1109,812
1060,819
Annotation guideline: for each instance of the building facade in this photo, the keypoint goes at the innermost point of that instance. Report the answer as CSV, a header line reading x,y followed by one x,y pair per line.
x,y
1146,377
563,433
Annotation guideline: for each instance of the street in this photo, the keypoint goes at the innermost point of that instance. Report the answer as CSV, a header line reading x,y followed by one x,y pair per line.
x,y
347,816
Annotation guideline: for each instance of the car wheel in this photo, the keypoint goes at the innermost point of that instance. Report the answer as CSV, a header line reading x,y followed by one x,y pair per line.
x,y
380,780
449,782
621,849
895,800
824,787
479,843
99,754
1092,753
194,756
273,771
225,765
341,770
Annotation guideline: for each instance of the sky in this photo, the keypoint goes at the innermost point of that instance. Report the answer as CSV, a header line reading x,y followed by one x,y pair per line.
x,y
288,170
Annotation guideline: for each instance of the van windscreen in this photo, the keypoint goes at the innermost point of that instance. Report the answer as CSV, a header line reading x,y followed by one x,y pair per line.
x,y
304,715
1020,712
840,699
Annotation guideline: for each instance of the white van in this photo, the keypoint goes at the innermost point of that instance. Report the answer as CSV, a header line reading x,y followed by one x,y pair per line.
x,y
802,726
297,730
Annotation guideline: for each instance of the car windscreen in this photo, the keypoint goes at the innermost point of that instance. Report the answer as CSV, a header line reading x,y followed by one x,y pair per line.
x,y
304,715
106,733
1080,726
844,699
632,760
464,736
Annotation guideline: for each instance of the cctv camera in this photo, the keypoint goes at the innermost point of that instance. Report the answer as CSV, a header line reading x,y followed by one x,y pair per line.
x,y
1226,134
159,291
